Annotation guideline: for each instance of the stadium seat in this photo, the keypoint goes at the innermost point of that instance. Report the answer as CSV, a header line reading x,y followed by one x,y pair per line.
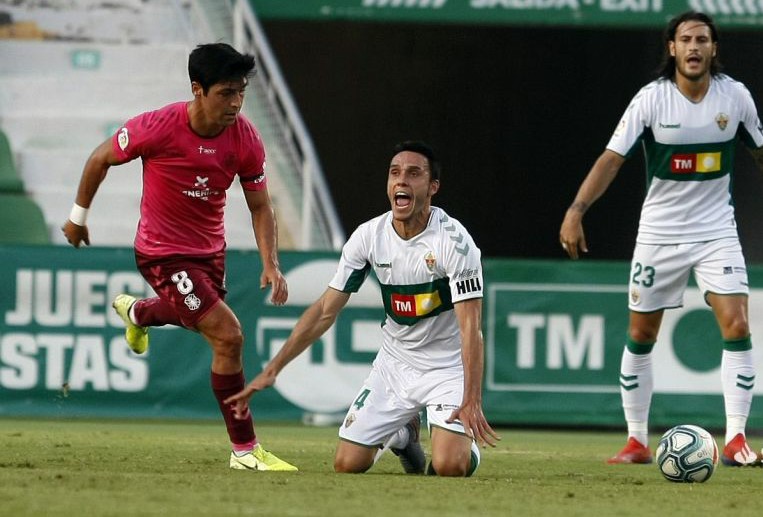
x,y
10,181
23,222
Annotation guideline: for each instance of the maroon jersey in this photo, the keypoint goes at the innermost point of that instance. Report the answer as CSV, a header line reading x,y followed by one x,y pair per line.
x,y
185,178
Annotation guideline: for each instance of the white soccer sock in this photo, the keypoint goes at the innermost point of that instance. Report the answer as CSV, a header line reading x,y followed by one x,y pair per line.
x,y
738,378
636,386
475,458
131,313
398,440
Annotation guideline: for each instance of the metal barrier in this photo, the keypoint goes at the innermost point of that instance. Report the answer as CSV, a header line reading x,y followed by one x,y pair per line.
x,y
320,225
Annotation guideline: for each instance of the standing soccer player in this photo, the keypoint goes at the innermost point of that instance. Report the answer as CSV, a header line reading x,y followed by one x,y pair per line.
x,y
191,152
689,121
432,351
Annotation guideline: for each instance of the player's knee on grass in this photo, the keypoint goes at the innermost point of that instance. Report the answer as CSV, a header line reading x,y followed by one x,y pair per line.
x,y
457,465
353,459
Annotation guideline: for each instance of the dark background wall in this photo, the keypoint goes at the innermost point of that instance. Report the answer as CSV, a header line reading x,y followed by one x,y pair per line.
x,y
518,115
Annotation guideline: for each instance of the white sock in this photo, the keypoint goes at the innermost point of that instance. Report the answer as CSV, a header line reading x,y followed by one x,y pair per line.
x,y
738,378
476,458
398,440
636,386
131,314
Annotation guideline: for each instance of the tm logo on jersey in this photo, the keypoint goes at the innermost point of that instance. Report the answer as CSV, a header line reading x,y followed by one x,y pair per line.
x,y
412,305
699,162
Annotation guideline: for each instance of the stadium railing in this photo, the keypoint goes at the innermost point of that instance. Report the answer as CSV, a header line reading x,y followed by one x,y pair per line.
x,y
321,227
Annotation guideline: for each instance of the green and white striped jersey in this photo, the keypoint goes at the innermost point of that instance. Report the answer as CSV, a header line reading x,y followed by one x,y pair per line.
x,y
689,149
420,278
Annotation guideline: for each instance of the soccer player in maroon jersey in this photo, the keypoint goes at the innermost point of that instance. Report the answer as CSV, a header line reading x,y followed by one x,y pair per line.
x,y
191,153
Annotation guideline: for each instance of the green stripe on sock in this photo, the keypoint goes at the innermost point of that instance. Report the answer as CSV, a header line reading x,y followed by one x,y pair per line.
x,y
638,348
475,462
628,382
745,382
737,345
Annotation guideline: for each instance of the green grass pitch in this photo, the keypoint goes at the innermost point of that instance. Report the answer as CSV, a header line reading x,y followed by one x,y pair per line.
x,y
148,468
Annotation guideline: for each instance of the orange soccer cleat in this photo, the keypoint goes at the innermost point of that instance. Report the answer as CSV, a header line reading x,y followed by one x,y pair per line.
x,y
738,454
633,452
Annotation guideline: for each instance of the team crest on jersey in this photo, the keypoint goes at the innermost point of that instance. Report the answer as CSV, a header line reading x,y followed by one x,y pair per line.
x,y
349,420
635,296
430,261
722,120
192,302
123,139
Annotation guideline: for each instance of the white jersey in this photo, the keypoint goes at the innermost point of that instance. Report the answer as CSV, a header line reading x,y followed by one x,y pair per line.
x,y
420,278
689,150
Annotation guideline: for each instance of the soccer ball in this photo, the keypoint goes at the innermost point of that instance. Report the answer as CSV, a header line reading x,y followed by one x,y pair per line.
x,y
687,453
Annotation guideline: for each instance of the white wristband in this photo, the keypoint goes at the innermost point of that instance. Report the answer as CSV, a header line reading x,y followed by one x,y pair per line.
x,y
78,215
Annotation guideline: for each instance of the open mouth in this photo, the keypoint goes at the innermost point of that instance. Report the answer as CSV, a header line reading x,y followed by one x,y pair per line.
x,y
402,199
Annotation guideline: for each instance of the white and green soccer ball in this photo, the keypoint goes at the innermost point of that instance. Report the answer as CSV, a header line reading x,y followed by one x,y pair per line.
x,y
687,453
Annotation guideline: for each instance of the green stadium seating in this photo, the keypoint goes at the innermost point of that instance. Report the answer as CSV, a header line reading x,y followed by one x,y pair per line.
x,y
22,221
10,181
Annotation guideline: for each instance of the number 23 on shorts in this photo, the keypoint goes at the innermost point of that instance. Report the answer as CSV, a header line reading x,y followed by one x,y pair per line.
x,y
643,275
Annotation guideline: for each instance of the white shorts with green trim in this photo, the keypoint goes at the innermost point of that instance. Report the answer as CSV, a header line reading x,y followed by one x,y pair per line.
x,y
393,393
660,272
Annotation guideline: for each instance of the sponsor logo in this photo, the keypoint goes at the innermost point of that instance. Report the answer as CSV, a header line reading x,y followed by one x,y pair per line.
x,y
410,305
430,261
202,190
699,162
669,126
192,302
201,194
383,264
466,273
722,120
470,285
123,139
205,150
434,4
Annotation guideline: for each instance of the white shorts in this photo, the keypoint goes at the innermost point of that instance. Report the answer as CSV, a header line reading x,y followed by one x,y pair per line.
x,y
660,272
394,393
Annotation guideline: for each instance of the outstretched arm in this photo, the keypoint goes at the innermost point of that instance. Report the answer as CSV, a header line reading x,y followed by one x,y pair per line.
x,y
311,325
266,235
469,315
604,170
94,172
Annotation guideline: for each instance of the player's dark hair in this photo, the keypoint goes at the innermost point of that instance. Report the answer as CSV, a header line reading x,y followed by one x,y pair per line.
x,y
667,68
417,146
214,63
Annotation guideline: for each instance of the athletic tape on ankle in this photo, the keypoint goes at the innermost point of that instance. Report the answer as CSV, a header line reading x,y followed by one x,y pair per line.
x,y
78,215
